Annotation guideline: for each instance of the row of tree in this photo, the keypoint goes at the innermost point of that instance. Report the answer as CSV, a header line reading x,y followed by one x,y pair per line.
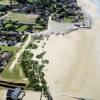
x,y
33,69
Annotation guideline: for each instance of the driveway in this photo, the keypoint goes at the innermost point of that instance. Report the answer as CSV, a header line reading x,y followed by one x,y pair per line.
x,y
3,94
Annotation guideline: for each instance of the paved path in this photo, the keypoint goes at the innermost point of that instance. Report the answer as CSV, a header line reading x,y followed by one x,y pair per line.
x,y
3,16
20,52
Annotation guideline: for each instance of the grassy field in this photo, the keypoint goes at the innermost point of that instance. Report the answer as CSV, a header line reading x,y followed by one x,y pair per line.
x,y
8,25
22,28
16,74
69,19
6,2
30,1
19,28
8,48
21,17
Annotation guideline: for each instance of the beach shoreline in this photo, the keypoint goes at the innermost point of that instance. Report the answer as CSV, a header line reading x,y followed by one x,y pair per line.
x,y
72,59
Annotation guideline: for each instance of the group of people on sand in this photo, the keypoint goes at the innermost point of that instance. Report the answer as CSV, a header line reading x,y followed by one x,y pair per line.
x,y
47,36
59,33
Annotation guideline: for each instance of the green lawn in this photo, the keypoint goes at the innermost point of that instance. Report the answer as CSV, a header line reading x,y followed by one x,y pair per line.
x,y
8,25
15,75
30,1
21,17
38,26
9,48
19,28
5,2
69,19
22,28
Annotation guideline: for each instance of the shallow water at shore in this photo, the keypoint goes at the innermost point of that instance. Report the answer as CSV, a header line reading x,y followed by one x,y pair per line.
x,y
97,3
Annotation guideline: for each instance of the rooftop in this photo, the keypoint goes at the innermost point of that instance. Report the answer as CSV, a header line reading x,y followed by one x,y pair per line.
x,y
15,94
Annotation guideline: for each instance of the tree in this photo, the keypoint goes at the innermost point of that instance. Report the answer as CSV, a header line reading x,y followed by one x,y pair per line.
x,y
11,1
22,1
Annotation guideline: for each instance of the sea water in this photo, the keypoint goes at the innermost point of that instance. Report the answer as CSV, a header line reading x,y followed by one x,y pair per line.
x,y
97,3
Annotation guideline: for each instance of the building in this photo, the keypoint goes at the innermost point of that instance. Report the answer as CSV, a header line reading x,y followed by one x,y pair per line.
x,y
4,58
15,94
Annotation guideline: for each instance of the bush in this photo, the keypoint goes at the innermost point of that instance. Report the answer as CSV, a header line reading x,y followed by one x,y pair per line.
x,y
26,62
45,61
41,67
45,90
35,65
39,56
30,69
38,41
29,46
37,87
43,81
27,55
34,46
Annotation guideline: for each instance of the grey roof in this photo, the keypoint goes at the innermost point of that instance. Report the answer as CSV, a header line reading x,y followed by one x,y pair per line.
x,y
16,93
5,55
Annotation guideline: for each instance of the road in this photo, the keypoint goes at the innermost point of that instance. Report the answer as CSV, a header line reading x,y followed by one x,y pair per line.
x,y
56,27
3,16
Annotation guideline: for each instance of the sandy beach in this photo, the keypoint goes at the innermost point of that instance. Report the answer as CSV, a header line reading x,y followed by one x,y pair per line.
x,y
74,61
